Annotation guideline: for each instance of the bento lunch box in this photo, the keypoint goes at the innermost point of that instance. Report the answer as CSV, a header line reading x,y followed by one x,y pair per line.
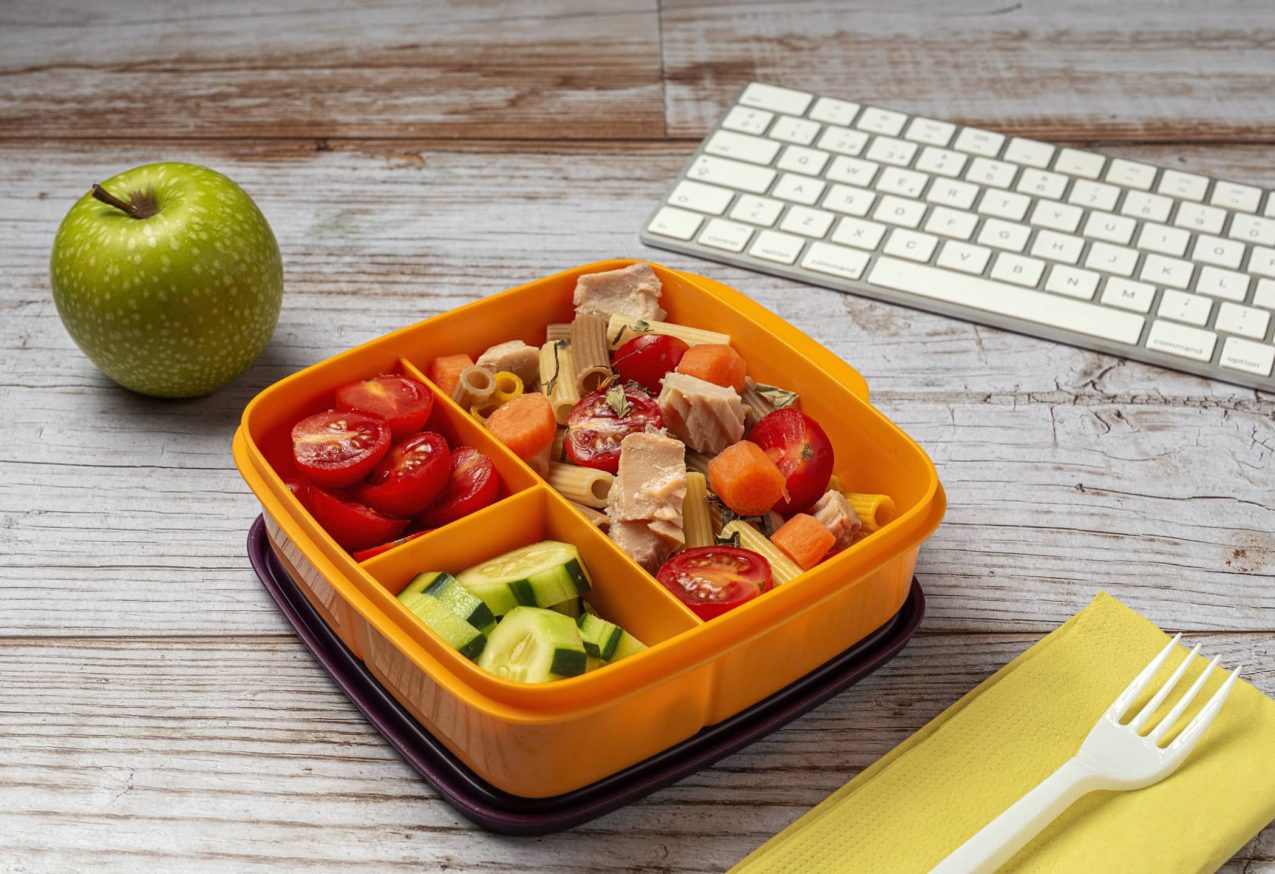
x,y
537,741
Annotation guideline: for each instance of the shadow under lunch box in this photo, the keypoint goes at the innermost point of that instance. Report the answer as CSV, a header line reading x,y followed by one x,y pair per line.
x,y
538,741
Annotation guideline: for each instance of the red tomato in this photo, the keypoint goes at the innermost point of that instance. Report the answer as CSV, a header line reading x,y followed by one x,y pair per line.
x,y
647,358
410,477
801,451
365,554
338,448
595,429
713,579
352,525
403,403
299,488
473,484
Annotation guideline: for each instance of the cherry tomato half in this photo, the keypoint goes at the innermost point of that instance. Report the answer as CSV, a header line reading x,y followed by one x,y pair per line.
x,y
352,525
338,448
595,429
403,403
802,452
472,485
647,358
714,579
410,477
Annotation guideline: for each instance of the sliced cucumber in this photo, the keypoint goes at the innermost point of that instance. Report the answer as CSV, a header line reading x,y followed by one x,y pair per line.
x,y
570,607
600,638
446,624
592,664
628,646
444,587
540,575
534,645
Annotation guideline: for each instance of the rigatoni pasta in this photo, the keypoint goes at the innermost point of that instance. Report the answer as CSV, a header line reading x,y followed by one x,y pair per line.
x,y
474,387
556,378
589,354
600,520
558,331
873,510
782,568
621,329
584,485
698,461
697,525
507,386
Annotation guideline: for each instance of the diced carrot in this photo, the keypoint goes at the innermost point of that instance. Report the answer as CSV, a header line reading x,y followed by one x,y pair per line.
x,y
745,478
445,370
715,363
804,539
525,424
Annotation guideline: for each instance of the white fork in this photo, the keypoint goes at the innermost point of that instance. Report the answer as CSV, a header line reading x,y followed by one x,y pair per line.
x,y
1113,756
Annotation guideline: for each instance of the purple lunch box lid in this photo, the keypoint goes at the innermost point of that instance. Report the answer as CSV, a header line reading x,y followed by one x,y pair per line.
x,y
499,811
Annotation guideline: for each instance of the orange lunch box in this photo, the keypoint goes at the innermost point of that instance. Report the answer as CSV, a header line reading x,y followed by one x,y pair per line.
x,y
542,740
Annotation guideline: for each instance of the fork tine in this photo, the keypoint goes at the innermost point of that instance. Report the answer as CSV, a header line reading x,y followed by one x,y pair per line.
x,y
1122,703
1178,709
1158,699
1196,728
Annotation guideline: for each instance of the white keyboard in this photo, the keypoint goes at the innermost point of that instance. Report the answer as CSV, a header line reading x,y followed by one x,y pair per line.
x,y
1140,261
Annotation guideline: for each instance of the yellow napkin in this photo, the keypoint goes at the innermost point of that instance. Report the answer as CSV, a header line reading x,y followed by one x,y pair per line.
x,y
925,797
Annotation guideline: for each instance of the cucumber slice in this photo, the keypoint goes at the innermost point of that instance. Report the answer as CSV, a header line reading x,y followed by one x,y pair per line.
x,y
628,646
570,607
534,645
456,631
444,587
592,664
540,575
600,638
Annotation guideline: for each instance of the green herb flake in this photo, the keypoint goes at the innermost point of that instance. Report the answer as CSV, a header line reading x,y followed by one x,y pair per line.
x,y
807,452
733,540
617,401
779,398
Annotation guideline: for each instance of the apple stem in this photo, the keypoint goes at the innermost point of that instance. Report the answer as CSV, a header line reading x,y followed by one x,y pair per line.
x,y
140,205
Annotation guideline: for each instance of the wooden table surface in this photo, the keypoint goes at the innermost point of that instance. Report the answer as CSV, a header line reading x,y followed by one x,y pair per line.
x,y
156,713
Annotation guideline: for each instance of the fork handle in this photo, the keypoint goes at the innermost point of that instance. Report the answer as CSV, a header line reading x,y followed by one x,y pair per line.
x,y
996,842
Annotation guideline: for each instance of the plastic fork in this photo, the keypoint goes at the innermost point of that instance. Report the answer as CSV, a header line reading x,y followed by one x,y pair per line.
x,y
1114,756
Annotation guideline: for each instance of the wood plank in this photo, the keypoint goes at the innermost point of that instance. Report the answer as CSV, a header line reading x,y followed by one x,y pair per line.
x,y
555,69
241,754
1075,70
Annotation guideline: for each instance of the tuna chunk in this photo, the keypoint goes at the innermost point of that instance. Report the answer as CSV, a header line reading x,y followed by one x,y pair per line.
x,y
514,356
647,494
707,417
641,543
630,291
834,512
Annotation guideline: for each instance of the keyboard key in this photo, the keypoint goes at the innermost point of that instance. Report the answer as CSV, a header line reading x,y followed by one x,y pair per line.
x,y
1183,307
1222,283
842,140
1072,281
1162,270
979,142
1130,174
930,131
1029,152
1004,235
1094,195
1112,259
741,147
898,211
1004,204
676,223
1042,183
1018,269
1264,296
774,246
732,174
1149,207
835,260
1128,295
700,197
913,245
785,100
1216,250
1247,356
1185,186
1200,218
1230,195
858,233
1262,261
849,200
747,121
1181,340
799,159
807,222
881,121
838,112
758,210
1270,205
1252,229
997,174
1056,216
722,234
950,192
1245,321
888,150
799,189
965,257
951,223
941,162
852,171
801,131
896,180
1109,227
1007,300
1074,162
1058,247
1164,239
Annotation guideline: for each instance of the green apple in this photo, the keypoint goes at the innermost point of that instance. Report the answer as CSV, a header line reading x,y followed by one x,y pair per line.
x,y
169,279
